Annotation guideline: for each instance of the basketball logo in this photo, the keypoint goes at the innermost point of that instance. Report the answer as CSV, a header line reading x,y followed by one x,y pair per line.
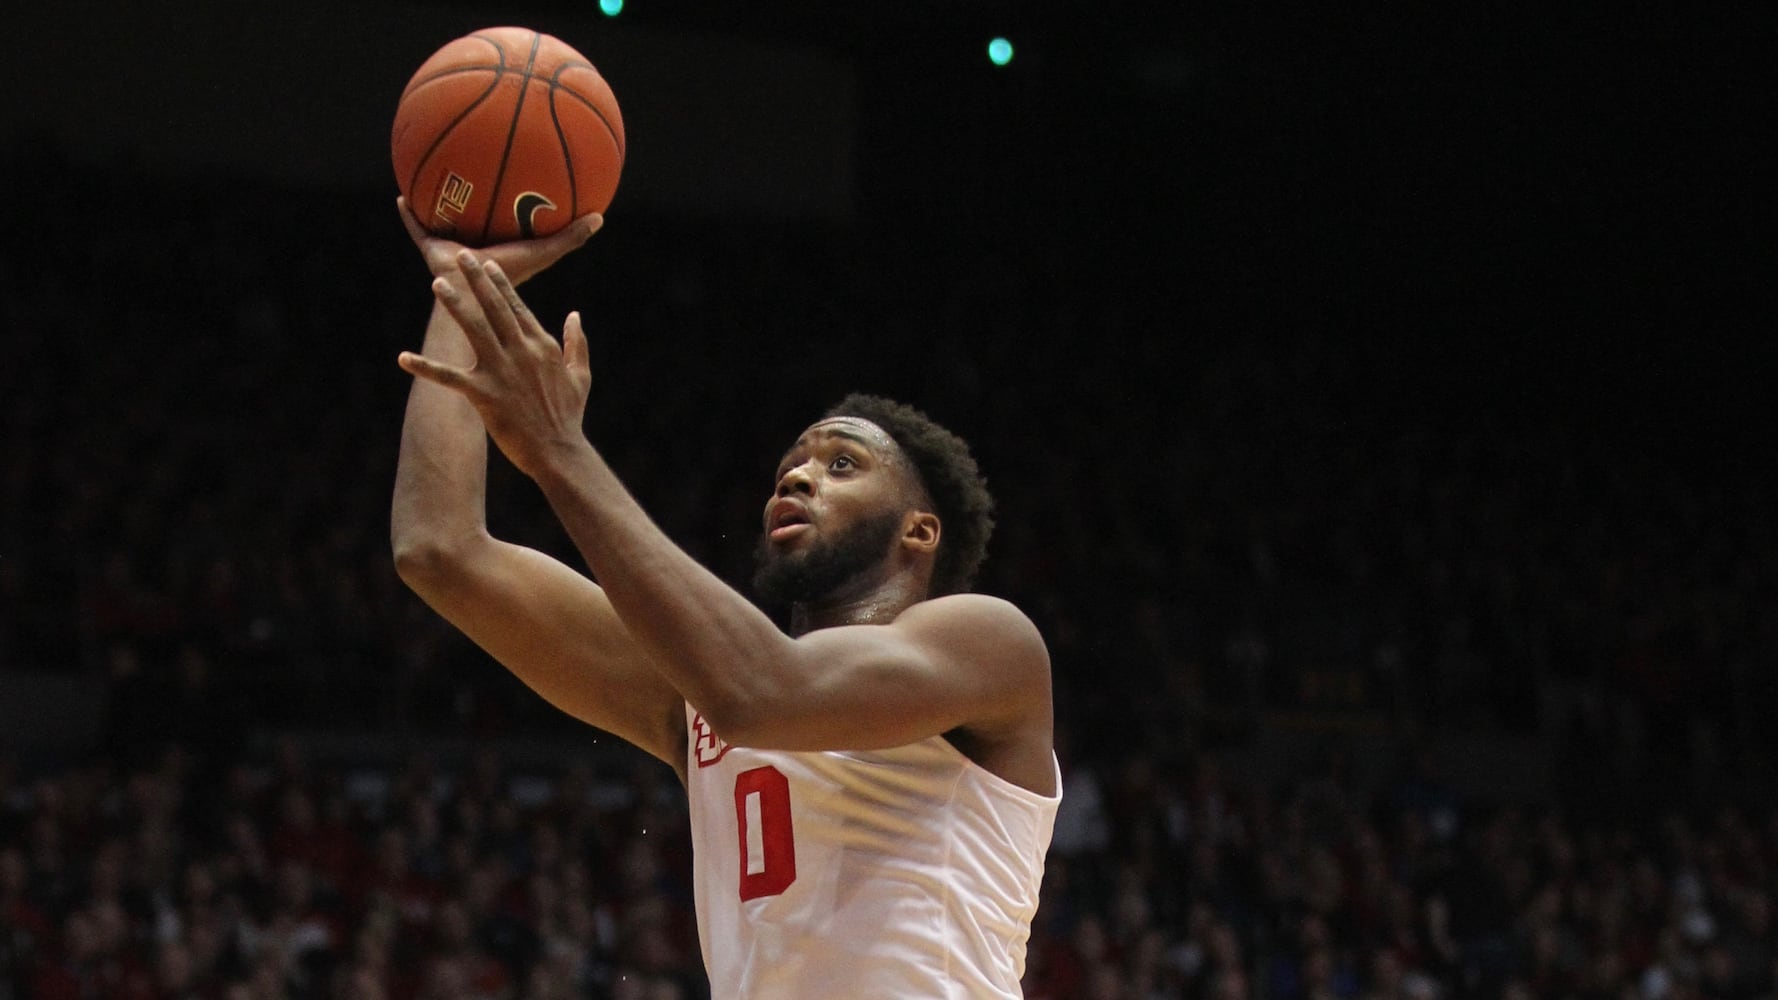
x,y
453,198
525,206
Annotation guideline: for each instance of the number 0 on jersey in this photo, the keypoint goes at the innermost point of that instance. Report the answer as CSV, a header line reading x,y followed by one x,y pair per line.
x,y
768,845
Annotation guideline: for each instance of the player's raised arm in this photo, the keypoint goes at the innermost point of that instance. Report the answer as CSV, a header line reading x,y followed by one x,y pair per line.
x,y
901,671
551,626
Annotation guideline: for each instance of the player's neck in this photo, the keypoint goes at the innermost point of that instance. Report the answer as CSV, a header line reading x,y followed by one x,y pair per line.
x,y
877,604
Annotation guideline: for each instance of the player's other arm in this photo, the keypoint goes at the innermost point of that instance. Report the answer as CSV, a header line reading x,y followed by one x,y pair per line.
x,y
966,661
551,626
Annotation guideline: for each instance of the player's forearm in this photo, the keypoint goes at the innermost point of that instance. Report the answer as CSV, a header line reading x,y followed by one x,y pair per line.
x,y
441,475
718,650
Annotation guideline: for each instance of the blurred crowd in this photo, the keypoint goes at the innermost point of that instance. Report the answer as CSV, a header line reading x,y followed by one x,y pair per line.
x,y
267,876
198,418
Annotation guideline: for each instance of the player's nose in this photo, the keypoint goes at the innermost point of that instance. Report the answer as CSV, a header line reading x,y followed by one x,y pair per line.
x,y
796,480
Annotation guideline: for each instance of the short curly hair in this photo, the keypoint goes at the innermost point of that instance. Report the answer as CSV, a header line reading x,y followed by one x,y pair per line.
x,y
948,473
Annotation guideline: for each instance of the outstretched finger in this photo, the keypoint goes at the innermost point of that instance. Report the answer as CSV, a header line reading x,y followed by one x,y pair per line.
x,y
415,231
527,321
469,316
501,317
420,366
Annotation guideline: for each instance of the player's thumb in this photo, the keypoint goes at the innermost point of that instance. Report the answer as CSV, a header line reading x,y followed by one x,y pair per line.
x,y
576,233
575,353
422,367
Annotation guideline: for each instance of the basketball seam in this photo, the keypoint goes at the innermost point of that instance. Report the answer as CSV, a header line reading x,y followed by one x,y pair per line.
x,y
445,132
495,68
518,109
499,64
567,154
555,84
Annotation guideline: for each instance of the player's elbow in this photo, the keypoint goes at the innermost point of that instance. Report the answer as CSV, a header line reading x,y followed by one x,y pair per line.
x,y
425,561
417,565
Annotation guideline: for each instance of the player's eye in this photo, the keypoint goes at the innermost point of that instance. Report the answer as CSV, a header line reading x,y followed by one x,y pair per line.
x,y
841,463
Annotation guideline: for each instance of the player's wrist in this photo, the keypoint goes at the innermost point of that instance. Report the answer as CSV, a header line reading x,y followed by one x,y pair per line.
x,y
560,461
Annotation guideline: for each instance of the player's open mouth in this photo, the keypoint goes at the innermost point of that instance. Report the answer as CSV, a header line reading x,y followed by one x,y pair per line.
x,y
786,520
788,531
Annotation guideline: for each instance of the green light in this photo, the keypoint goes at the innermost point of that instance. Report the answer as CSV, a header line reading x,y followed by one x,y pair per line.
x,y
1000,52
611,8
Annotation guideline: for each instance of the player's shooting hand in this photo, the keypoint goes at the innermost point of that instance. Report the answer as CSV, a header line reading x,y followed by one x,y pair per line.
x,y
521,259
530,390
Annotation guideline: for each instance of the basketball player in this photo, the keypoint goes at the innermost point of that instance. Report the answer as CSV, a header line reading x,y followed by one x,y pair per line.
x,y
872,794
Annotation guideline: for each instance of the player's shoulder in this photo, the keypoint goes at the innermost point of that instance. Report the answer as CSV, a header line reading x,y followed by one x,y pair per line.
x,y
970,606
977,618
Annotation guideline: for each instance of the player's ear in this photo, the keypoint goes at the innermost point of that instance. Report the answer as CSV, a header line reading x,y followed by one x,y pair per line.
x,y
920,531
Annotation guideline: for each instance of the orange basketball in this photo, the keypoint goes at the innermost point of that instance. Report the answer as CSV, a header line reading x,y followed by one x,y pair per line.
x,y
506,134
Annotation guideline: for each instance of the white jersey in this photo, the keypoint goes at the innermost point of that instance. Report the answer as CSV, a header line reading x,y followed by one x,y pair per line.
x,y
911,872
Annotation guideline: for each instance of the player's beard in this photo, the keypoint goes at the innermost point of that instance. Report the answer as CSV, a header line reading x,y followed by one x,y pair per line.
x,y
783,579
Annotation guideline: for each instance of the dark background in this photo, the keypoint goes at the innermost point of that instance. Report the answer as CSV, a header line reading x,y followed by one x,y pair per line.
x,y
1376,401
1192,281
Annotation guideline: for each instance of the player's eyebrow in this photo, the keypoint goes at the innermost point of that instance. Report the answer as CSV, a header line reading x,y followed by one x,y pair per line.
x,y
839,431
